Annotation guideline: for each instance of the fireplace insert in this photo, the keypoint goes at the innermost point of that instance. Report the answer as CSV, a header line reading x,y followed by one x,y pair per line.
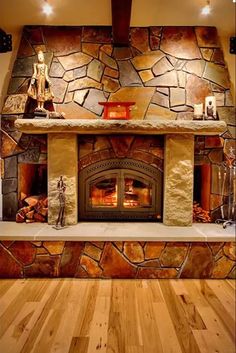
x,y
120,189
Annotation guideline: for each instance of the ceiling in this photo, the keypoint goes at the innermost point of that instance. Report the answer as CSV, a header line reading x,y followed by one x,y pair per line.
x,y
16,13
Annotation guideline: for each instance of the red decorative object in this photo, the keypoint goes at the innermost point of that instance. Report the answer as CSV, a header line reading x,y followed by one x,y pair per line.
x,y
116,110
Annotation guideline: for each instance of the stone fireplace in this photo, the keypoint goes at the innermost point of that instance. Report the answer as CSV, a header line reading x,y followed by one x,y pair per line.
x,y
152,163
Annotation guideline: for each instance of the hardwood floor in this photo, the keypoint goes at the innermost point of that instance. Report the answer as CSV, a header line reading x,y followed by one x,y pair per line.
x,y
117,316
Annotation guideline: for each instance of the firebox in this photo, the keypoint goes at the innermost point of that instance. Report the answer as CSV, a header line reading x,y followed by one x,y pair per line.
x,y
120,189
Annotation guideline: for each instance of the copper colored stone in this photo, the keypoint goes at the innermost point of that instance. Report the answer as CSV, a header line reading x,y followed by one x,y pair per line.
x,y
156,112
217,74
199,262
44,266
195,67
155,31
97,34
90,266
230,250
146,75
197,90
139,39
33,34
140,95
56,70
167,79
173,254
128,75
107,60
69,76
95,70
7,243
119,245
115,265
206,53
146,61
160,99
91,49
218,57
154,43
121,145
9,267
75,60
207,37
111,72
134,251
222,267
23,251
110,84
74,111
107,48
122,53
152,250
92,251
62,40
9,147
59,89
151,273
215,247
162,67
180,42
151,263
25,48
70,258
177,96
82,83
54,247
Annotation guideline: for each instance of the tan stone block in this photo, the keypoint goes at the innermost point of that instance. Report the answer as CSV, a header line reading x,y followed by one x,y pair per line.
x,y
140,95
156,112
54,247
73,61
134,251
146,61
178,179
15,104
91,49
146,75
60,165
153,250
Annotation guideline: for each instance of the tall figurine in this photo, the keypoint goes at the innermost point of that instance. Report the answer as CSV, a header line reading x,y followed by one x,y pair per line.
x,y
40,85
61,187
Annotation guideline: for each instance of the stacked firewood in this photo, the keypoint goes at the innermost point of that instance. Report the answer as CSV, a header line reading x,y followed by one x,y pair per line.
x,y
34,209
199,214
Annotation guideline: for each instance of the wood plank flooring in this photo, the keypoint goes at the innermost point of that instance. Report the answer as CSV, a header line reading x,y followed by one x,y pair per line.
x,y
117,316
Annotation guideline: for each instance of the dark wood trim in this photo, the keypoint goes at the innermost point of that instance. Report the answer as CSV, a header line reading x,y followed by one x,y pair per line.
x,y
121,13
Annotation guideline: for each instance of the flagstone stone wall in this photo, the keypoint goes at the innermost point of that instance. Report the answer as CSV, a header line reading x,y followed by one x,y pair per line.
x,y
166,70
118,259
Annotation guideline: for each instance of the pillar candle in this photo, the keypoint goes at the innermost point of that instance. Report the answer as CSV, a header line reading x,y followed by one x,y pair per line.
x,y
198,109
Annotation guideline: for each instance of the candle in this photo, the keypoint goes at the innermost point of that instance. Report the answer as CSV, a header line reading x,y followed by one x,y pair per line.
x,y
198,109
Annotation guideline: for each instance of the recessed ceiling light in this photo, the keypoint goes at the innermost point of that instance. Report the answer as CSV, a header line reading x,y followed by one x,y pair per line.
x,y
47,9
206,10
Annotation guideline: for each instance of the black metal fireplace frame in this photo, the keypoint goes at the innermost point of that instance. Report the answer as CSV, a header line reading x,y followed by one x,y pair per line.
x,y
134,168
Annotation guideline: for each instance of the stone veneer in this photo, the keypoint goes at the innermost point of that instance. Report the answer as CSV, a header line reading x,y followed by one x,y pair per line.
x,y
118,259
166,70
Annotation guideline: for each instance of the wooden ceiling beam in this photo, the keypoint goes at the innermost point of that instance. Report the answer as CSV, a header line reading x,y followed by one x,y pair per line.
x,y
121,13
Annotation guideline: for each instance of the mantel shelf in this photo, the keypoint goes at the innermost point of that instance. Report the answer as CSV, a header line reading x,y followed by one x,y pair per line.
x,y
138,127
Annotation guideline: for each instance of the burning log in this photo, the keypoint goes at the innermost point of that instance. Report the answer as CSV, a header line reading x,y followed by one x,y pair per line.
x,y
199,214
34,209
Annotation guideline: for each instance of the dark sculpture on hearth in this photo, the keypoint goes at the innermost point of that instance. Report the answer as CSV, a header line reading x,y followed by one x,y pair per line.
x,y
61,187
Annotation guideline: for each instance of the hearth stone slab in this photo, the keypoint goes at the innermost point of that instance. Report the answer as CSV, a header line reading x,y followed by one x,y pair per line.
x,y
178,180
62,161
117,231
99,126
